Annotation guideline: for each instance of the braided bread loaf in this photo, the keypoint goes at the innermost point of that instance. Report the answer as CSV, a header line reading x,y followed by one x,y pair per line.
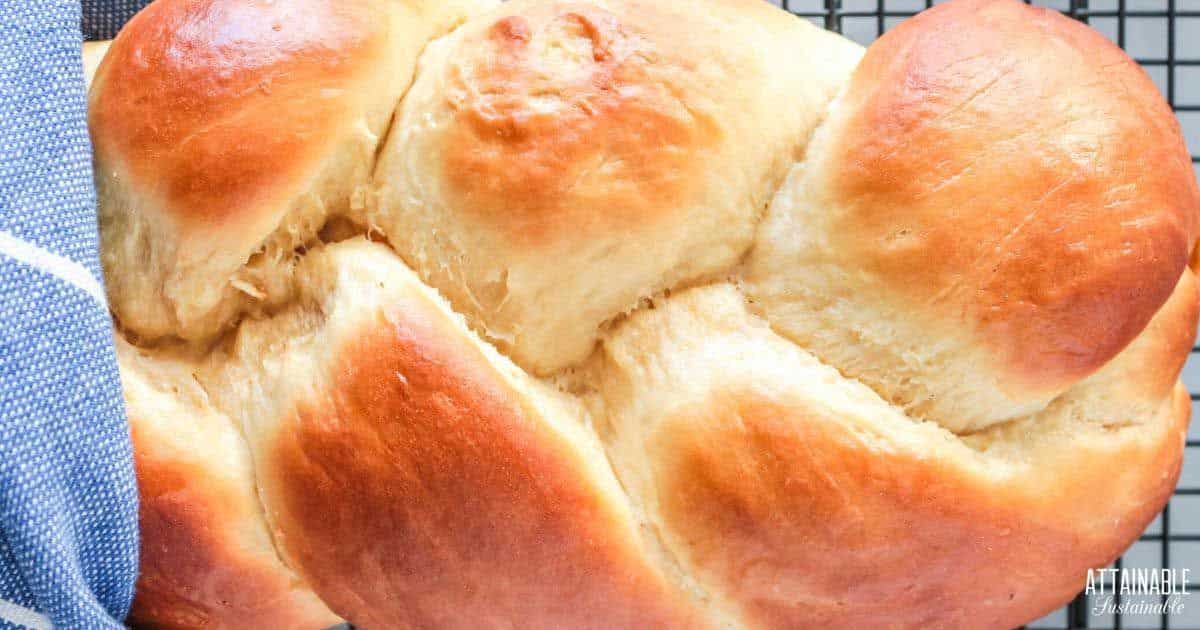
x,y
632,313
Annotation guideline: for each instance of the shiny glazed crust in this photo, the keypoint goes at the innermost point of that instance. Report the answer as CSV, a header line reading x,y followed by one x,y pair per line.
x,y
547,314
997,192
276,112
814,503
206,559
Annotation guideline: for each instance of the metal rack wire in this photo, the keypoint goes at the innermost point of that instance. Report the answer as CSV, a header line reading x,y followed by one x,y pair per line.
x,y
1164,37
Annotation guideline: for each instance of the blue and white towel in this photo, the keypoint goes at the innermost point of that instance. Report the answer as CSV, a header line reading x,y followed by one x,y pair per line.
x,y
68,503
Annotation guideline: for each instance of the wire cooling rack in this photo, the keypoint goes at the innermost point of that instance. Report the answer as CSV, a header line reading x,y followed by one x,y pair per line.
x,y
1163,36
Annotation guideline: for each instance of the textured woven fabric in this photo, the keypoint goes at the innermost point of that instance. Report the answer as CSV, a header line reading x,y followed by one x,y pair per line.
x,y
68,503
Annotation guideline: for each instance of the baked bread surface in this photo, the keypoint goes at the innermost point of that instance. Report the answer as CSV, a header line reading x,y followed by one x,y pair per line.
x,y
619,313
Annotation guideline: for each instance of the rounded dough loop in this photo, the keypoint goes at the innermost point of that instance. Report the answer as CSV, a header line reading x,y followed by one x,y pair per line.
x,y
998,203
557,162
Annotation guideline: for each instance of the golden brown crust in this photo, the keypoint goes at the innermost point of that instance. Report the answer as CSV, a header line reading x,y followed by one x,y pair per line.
x,y
809,502
227,133
997,204
618,148
206,558
1012,165
416,478
1148,369
217,107
421,495
193,572
812,526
